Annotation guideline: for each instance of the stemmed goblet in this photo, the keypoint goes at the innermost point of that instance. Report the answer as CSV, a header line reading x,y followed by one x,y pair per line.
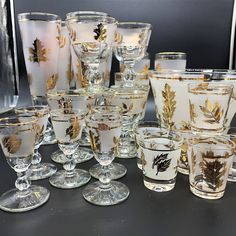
x,y
68,126
104,130
131,43
17,138
37,169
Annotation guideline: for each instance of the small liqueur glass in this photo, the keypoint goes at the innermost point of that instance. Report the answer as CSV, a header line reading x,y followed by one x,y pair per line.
x,y
132,101
38,170
17,138
210,161
208,105
146,128
170,61
105,130
131,42
72,99
68,126
92,38
116,170
160,153
40,34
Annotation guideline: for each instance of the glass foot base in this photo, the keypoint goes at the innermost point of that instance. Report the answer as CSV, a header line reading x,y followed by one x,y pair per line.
x,y
116,170
15,201
159,185
61,180
183,171
42,171
49,138
206,195
116,193
81,155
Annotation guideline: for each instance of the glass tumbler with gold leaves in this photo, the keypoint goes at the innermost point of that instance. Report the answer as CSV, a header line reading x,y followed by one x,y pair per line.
x,y
131,42
92,38
38,170
41,40
208,105
68,126
210,162
17,138
104,130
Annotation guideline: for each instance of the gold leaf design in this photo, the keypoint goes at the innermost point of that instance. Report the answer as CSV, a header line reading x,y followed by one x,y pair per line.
x,y
61,41
122,67
213,113
87,47
51,82
74,129
38,53
161,162
185,126
184,154
193,115
118,38
73,35
82,68
115,141
95,145
201,86
169,105
69,72
100,32
141,37
194,160
103,127
65,104
126,108
12,143
158,67
39,131
30,78
145,69
143,161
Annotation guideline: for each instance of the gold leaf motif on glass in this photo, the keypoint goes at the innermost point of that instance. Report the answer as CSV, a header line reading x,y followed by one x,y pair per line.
x,y
142,158
100,32
74,130
69,72
193,115
158,67
38,53
61,40
51,82
118,38
103,127
12,143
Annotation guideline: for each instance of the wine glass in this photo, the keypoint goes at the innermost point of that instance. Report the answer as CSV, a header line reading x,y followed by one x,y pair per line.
x,y
116,170
38,170
72,99
104,130
40,34
17,138
92,38
131,43
68,125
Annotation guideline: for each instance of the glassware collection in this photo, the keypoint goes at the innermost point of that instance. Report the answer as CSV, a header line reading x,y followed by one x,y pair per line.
x,y
68,66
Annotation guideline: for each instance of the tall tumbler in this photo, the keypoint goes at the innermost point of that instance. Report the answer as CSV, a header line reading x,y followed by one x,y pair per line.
x,y
40,33
9,76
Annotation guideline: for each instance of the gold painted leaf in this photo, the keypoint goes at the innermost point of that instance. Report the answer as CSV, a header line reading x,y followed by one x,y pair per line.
x,y
61,41
169,105
103,127
12,143
143,161
100,32
39,131
65,104
118,38
74,130
51,82
213,113
69,72
126,108
161,162
185,126
81,74
193,115
73,35
115,140
38,53
141,38
95,144
184,154
145,69
158,67
201,86
122,67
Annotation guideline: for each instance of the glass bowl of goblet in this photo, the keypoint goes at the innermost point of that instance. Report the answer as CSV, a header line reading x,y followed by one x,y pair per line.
x,y
68,126
38,170
104,130
116,170
17,138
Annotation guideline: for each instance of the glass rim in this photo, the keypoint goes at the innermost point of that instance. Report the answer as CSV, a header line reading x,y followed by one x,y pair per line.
x,y
116,108
26,109
26,16
4,123
175,54
135,23
134,91
209,86
92,13
88,118
89,18
78,112
65,92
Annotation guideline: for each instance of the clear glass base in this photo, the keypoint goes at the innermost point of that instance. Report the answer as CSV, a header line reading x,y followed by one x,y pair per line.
x,y
127,152
116,170
97,195
42,171
159,185
49,137
183,170
16,201
81,155
206,195
61,179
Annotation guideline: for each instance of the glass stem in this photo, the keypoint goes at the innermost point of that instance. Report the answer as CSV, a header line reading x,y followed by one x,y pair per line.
x,y
69,166
105,177
92,74
36,159
22,183
129,73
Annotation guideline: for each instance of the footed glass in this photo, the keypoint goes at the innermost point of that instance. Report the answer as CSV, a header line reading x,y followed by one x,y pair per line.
x,y
17,138
104,130
68,126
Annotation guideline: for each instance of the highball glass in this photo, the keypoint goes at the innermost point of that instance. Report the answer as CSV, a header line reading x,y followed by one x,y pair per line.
x,y
105,130
17,138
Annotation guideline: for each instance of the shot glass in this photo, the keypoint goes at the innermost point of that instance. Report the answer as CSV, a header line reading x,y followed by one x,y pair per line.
x,y
208,105
170,61
210,162
160,154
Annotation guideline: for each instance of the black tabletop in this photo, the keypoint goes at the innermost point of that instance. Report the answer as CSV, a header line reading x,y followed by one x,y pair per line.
x,y
145,212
